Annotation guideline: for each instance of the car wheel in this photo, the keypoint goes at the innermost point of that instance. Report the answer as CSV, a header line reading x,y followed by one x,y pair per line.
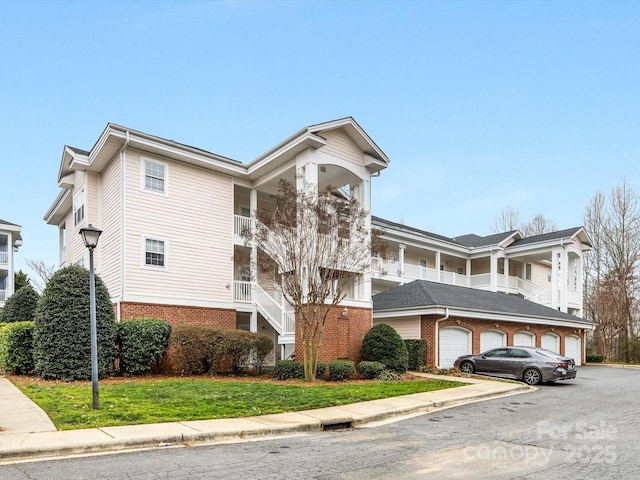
x,y
532,376
467,367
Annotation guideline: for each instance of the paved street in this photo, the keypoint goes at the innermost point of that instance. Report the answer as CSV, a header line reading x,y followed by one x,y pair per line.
x,y
587,428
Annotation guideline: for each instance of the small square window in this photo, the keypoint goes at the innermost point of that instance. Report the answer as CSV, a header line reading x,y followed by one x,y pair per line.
x,y
154,176
154,253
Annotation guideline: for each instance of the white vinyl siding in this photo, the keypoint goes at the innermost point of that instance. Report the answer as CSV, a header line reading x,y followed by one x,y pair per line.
x,y
407,328
340,145
110,244
196,223
154,175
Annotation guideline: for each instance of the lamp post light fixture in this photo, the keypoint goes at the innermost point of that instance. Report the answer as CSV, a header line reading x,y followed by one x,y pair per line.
x,y
90,235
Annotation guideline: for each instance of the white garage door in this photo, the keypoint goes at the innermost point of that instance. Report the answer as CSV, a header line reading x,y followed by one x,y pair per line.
x,y
572,349
551,342
492,339
453,343
524,339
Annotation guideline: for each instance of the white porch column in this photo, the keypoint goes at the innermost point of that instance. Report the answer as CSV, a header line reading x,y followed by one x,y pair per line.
x,y
253,256
564,280
253,321
439,277
580,261
10,277
555,300
468,272
401,248
493,262
362,193
506,274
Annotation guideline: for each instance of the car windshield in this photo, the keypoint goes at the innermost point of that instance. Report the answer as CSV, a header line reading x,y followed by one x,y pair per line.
x,y
547,353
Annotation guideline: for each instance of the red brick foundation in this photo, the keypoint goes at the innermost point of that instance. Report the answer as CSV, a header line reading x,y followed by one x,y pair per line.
x,y
180,314
343,334
428,332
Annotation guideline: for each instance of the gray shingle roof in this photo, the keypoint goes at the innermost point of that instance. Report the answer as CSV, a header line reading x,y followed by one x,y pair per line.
x,y
78,150
544,237
422,293
4,222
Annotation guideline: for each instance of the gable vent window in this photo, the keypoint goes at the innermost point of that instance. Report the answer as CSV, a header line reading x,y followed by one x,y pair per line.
x,y
154,253
154,176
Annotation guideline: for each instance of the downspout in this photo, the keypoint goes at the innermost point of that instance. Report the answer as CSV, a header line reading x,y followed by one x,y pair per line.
x,y
123,158
437,336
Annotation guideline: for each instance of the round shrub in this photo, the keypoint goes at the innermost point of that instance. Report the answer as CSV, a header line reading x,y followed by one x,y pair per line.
x,y
321,368
21,306
190,349
341,370
16,348
383,344
142,343
286,369
62,340
369,370
261,348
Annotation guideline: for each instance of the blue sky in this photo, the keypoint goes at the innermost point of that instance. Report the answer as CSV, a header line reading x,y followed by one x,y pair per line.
x,y
479,105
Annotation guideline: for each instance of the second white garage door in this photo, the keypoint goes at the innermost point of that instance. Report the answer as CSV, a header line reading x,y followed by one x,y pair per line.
x,y
572,348
524,339
551,342
492,339
453,343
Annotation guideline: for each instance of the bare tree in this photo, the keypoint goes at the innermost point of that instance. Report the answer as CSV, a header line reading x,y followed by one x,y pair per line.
x,y
320,244
43,272
612,286
509,219
538,225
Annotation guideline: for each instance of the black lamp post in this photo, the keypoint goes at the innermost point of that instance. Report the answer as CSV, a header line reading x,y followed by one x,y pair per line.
x,y
90,235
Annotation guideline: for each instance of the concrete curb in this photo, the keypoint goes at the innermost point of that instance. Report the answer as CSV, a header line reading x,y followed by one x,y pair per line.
x,y
42,445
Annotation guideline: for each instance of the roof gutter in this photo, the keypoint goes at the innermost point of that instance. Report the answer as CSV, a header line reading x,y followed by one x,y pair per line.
x,y
437,335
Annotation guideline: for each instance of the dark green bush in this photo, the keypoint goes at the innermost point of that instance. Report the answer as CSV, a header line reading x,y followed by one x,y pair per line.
x,y
341,370
417,350
286,369
370,370
383,344
142,342
321,369
62,346
21,306
595,358
16,348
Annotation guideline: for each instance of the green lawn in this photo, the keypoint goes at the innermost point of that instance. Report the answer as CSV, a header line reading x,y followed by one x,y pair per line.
x,y
133,401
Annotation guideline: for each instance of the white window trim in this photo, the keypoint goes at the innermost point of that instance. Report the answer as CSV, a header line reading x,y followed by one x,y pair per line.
x,y
143,256
82,194
143,176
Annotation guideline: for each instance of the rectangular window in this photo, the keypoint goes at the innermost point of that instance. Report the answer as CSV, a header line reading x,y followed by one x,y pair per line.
x,y
154,176
78,207
527,271
154,252
423,262
460,271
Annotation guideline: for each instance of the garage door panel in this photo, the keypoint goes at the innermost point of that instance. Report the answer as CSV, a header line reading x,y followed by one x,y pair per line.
x,y
454,342
492,339
551,342
524,339
572,348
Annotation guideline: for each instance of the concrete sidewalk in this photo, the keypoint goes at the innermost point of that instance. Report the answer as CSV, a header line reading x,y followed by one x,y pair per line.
x,y
29,434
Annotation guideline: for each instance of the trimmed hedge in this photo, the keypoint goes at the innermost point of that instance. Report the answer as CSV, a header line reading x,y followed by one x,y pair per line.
x,y
21,306
341,370
142,343
594,358
198,350
383,344
286,369
16,348
321,369
61,335
417,350
369,370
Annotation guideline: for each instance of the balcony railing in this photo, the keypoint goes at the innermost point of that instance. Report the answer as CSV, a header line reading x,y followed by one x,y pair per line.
x,y
4,258
241,225
242,292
